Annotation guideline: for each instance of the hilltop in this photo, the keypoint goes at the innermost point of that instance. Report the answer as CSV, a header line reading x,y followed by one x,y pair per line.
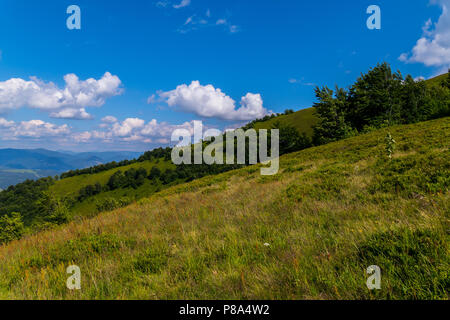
x,y
303,120
308,233
437,80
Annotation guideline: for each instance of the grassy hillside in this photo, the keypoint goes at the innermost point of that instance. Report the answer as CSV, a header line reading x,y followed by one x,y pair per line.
x,y
70,187
302,120
309,232
437,80
65,187
18,165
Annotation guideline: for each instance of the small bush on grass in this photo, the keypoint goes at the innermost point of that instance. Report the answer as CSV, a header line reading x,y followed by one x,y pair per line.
x,y
11,227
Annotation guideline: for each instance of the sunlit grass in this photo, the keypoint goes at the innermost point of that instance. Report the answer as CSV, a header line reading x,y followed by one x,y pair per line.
x,y
308,233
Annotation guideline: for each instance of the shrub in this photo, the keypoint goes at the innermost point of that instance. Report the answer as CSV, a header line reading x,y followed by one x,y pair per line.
x,y
290,139
89,191
154,173
11,227
110,204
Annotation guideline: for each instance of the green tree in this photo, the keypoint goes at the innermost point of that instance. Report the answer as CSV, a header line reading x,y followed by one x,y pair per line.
x,y
332,110
97,188
290,139
117,180
413,106
11,227
52,210
446,82
155,173
375,98
141,175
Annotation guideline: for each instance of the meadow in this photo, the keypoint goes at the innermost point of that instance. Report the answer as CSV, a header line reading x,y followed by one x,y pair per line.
x,y
69,187
309,232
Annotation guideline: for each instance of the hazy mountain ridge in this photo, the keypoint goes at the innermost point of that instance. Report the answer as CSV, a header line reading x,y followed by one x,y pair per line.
x,y
17,165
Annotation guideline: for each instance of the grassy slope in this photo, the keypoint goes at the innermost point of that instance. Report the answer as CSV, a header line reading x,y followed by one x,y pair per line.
x,y
330,213
437,80
303,120
70,187
65,187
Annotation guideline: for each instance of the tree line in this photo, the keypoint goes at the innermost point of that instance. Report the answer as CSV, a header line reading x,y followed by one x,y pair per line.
x,y
158,153
378,98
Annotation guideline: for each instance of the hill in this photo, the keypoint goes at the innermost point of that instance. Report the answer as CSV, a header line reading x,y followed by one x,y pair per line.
x,y
9,177
17,165
303,120
437,80
70,187
309,232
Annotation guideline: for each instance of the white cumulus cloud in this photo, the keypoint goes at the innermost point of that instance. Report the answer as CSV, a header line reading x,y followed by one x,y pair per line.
x,y
433,48
5,123
68,102
11,130
127,127
131,130
82,136
71,113
207,101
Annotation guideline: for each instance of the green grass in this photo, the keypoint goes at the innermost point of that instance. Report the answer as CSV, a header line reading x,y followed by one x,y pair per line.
x,y
437,80
70,187
308,233
66,187
417,260
302,120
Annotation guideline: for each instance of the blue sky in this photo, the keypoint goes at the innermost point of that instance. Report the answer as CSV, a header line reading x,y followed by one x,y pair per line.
x,y
157,65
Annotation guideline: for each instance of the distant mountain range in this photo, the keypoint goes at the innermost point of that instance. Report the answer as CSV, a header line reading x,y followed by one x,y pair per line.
x,y
17,165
